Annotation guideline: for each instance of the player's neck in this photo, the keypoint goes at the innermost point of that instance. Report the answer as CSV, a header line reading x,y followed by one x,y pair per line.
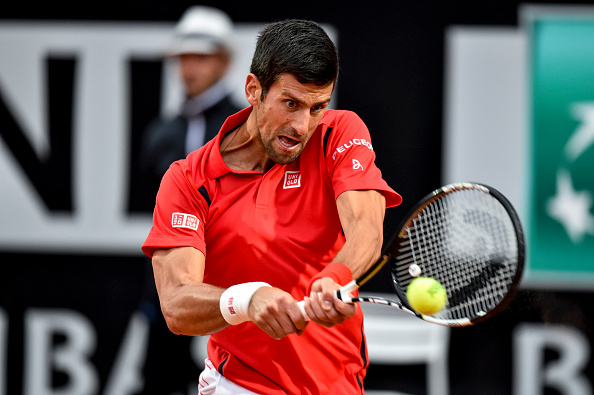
x,y
243,150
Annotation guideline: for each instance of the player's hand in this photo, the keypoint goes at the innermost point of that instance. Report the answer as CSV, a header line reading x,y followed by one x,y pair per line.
x,y
276,313
324,308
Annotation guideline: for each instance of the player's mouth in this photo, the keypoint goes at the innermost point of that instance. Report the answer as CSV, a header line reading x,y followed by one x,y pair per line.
x,y
288,142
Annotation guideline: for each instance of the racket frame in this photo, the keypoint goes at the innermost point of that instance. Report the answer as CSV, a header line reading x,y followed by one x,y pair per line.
x,y
391,251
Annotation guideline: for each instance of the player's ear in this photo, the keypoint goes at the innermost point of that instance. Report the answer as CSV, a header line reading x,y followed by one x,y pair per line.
x,y
253,89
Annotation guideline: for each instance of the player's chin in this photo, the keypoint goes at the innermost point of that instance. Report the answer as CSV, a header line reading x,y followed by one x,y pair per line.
x,y
285,157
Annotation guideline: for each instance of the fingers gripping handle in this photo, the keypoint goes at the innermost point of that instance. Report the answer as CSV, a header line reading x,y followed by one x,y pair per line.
x,y
342,294
301,305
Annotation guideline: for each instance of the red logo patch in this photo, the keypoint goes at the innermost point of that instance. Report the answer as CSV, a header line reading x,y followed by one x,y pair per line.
x,y
182,220
292,179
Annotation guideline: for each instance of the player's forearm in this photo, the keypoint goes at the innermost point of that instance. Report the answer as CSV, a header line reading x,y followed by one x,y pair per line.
x,y
362,217
190,307
193,310
361,250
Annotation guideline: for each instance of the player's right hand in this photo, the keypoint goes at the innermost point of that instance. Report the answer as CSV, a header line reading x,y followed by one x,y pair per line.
x,y
324,308
276,313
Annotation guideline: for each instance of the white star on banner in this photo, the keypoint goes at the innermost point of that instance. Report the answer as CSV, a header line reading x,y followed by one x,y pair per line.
x,y
571,208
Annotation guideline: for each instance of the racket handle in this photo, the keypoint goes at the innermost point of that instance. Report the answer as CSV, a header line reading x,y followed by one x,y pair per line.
x,y
344,293
301,305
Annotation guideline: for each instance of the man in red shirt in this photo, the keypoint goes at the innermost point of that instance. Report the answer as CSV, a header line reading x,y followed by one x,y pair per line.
x,y
285,204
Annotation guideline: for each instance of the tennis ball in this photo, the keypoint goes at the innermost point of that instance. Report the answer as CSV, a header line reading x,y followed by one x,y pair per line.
x,y
426,295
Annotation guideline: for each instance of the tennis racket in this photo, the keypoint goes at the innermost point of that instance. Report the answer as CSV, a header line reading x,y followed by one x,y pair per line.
x,y
468,237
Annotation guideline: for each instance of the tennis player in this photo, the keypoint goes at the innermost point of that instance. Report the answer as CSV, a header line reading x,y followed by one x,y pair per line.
x,y
285,204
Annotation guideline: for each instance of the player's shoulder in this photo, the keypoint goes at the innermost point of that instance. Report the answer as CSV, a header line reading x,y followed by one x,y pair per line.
x,y
342,119
334,117
343,124
193,166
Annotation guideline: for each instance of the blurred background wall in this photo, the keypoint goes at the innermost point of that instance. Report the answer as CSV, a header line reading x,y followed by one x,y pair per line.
x,y
499,92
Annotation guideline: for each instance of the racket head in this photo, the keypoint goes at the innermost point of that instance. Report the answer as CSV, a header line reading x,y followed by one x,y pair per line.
x,y
468,237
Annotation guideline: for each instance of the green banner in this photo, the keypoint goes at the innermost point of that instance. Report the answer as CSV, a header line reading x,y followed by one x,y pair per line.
x,y
561,219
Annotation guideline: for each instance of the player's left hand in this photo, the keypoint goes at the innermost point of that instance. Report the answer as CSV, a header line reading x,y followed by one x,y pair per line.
x,y
276,313
324,308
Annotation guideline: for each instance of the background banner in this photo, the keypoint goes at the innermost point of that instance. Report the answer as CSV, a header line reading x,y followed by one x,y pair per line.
x,y
451,91
561,217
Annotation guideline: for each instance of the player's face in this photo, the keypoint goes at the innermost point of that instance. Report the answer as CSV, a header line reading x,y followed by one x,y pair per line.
x,y
200,72
289,115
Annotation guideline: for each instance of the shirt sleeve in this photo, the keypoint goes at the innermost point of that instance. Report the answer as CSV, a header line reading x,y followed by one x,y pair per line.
x,y
350,159
180,213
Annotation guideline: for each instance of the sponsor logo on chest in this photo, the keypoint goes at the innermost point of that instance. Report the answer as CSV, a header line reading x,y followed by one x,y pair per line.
x,y
292,179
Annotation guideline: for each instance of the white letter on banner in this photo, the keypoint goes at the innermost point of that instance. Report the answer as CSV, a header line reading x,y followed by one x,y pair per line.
x,y
71,356
3,350
126,375
531,375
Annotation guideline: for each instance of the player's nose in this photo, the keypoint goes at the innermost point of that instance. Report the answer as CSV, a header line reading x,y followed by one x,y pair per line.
x,y
300,122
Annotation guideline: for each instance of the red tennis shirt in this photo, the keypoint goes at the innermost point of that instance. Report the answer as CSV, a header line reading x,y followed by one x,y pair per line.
x,y
280,227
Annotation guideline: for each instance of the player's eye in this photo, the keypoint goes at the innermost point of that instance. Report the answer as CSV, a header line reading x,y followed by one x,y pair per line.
x,y
318,108
291,104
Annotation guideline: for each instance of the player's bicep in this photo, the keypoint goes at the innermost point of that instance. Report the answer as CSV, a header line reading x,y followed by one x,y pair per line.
x,y
361,210
175,267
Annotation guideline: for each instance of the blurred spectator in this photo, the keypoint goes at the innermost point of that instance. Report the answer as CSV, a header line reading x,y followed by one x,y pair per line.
x,y
201,45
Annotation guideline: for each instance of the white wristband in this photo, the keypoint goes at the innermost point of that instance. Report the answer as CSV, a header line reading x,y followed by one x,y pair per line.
x,y
235,301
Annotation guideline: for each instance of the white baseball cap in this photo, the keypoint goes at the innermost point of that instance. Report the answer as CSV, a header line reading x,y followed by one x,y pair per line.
x,y
201,30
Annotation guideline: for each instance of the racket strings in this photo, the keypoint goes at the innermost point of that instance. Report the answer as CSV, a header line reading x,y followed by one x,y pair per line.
x,y
466,241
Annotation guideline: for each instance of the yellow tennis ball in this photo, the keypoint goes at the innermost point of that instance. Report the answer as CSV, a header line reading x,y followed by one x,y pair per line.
x,y
426,295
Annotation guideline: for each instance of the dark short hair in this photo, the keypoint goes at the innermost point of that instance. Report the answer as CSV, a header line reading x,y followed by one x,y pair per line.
x,y
298,47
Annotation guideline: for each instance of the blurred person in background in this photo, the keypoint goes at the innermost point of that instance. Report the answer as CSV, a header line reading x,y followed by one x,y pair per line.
x,y
202,47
